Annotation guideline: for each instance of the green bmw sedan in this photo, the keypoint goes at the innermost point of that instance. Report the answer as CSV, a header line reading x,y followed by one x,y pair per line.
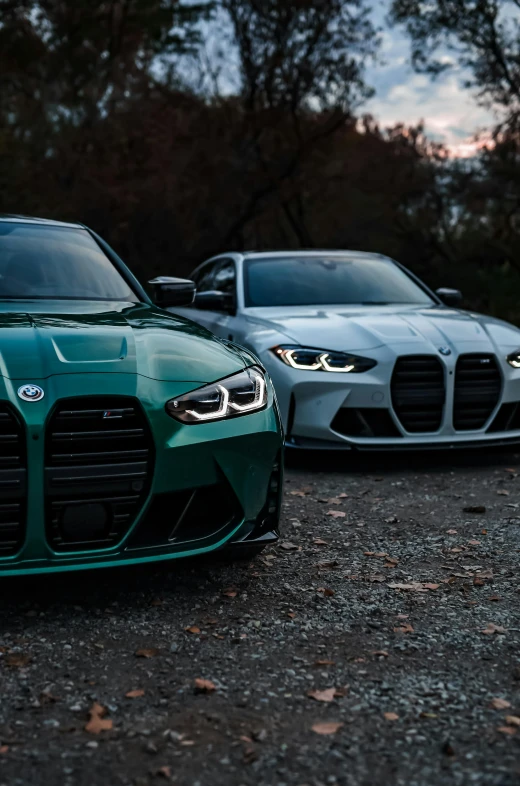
x,y
127,434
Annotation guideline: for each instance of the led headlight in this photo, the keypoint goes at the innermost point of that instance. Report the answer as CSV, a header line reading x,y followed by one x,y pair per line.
x,y
322,360
514,359
230,398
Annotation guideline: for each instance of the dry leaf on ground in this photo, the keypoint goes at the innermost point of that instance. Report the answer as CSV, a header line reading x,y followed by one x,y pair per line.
x,y
204,686
391,716
511,730
499,704
337,514
98,722
326,728
192,629
150,652
406,628
491,628
17,660
322,695
326,591
135,694
512,720
288,546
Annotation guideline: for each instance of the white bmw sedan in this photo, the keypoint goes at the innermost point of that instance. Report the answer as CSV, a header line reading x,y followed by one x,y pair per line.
x,y
362,354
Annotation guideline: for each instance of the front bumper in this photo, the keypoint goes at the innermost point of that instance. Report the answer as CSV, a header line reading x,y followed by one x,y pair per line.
x,y
313,404
227,467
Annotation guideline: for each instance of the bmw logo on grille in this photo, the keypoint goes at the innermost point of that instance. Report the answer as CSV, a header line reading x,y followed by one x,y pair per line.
x,y
445,351
30,393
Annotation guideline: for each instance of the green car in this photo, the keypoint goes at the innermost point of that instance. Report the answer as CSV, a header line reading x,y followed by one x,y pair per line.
x,y
127,434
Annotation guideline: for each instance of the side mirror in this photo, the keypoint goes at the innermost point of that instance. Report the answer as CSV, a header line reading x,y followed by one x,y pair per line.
x,y
451,297
214,301
173,291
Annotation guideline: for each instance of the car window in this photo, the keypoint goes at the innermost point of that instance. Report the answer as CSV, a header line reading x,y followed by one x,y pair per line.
x,y
204,278
329,280
55,263
225,277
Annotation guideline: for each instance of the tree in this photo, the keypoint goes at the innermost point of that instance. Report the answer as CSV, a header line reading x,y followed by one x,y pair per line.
x,y
483,34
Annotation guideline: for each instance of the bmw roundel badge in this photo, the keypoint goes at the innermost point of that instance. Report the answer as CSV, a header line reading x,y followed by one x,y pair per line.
x,y
30,393
445,351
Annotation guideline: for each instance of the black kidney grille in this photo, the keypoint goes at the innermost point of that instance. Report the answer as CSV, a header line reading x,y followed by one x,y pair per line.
x,y
419,393
13,481
99,461
478,385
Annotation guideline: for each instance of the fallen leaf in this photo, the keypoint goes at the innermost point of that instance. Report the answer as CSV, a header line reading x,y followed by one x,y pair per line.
x,y
391,520
503,493
337,514
135,694
231,592
300,493
451,532
380,654
507,730
204,686
474,542
334,501
391,716
16,660
416,586
475,509
495,598
320,542
324,663
512,720
406,628
151,652
499,704
326,728
511,470
98,722
192,629
325,565
164,772
326,591
492,628
376,577
322,695
291,614
4,749
287,546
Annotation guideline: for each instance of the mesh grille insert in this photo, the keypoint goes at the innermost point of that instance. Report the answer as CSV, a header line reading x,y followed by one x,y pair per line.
x,y
478,385
418,393
99,462
13,481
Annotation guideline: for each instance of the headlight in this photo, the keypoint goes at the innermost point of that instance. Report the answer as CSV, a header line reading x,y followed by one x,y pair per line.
x,y
322,360
230,398
514,359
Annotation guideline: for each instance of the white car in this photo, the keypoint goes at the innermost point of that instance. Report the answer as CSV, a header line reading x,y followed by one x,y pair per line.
x,y
362,354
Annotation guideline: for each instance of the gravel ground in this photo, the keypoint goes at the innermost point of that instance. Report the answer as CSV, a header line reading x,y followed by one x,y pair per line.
x,y
377,644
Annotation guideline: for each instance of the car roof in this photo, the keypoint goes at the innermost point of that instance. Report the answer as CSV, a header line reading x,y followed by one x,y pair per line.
x,y
312,252
14,218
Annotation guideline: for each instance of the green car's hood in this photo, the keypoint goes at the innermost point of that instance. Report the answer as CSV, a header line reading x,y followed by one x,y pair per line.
x,y
42,338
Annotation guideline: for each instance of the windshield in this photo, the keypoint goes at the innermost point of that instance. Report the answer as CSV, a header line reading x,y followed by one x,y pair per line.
x,y
320,281
55,263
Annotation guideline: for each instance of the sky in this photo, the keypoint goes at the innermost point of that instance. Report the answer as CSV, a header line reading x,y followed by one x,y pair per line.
x,y
449,110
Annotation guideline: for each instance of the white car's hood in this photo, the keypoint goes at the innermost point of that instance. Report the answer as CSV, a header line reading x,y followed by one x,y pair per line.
x,y
360,328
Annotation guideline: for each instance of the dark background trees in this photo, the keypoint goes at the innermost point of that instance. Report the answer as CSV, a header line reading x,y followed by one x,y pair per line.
x,y
180,129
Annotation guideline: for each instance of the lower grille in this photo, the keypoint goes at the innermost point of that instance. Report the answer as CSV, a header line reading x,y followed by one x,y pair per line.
x,y
478,385
418,393
98,470
507,418
190,516
13,481
374,422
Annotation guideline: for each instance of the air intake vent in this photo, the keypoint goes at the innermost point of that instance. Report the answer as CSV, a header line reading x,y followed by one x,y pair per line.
x,y
478,385
13,482
418,393
98,471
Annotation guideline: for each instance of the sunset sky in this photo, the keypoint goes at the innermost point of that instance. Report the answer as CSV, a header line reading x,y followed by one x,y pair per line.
x,y
450,111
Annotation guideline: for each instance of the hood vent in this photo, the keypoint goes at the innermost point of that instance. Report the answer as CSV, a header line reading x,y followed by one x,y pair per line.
x,y
418,393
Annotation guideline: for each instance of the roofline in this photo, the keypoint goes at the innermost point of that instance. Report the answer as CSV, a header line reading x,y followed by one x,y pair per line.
x,y
14,218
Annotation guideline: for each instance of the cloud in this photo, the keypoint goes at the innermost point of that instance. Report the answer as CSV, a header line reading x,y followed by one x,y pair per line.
x,y
449,110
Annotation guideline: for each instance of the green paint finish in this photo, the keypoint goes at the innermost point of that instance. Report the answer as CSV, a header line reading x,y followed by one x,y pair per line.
x,y
77,349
